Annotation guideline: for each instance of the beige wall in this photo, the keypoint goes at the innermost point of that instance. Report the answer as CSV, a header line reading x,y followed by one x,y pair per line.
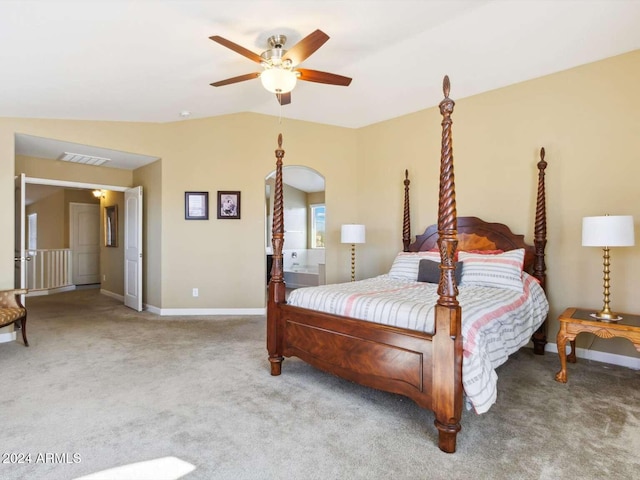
x,y
51,221
224,259
588,120
315,197
149,178
112,258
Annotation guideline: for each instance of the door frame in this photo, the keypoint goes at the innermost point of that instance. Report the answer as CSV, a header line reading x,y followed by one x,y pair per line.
x,y
133,245
19,274
83,185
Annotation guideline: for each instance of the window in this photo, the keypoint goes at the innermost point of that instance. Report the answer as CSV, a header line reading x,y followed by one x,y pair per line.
x,y
317,226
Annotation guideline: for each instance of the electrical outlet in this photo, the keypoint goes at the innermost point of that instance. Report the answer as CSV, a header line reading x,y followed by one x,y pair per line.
x,y
195,292
104,278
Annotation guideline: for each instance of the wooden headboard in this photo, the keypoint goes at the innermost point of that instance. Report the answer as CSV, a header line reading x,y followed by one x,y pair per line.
x,y
474,233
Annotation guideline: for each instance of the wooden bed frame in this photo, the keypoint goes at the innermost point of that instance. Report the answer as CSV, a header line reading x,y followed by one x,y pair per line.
x,y
424,367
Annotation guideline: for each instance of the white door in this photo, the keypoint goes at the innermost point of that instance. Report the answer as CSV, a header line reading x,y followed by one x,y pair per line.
x,y
84,241
20,275
133,248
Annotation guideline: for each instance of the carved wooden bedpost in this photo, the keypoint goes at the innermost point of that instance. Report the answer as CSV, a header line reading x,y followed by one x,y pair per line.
x,y
447,340
406,221
276,285
540,242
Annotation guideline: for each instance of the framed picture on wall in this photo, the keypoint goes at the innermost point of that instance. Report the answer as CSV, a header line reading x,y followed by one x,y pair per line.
x,y
229,205
111,226
196,205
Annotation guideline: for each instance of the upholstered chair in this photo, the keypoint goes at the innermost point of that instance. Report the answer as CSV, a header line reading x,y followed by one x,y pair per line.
x,y
12,310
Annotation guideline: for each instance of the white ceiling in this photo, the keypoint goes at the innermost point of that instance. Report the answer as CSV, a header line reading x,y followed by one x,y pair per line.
x,y
48,148
150,60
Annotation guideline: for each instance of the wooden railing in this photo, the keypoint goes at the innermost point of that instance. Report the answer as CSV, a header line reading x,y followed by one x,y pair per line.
x,y
48,269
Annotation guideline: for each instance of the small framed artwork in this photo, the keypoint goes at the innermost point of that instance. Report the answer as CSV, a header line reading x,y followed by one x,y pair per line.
x,y
111,226
229,205
196,205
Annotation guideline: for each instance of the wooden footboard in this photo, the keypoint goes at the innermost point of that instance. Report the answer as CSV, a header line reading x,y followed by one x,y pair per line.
x,y
425,368
379,356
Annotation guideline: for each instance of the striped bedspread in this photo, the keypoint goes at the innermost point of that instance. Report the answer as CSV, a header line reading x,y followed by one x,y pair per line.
x,y
495,322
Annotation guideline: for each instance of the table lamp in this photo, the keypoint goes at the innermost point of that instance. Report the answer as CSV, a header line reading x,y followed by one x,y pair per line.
x,y
607,231
351,233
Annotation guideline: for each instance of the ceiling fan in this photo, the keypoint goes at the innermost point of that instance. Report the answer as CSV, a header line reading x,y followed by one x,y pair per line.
x,y
280,72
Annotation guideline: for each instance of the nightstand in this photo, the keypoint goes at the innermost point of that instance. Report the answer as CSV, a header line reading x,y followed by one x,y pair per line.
x,y
577,320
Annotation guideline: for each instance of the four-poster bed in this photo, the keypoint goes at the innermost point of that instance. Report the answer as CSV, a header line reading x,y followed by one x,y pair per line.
x,y
425,364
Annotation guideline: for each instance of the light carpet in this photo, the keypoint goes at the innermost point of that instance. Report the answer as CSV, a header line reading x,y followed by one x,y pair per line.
x,y
103,386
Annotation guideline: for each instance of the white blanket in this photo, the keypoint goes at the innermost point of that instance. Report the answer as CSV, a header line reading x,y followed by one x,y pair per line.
x,y
495,322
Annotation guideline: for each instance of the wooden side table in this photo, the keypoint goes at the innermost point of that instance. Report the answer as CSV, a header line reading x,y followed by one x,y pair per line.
x,y
577,320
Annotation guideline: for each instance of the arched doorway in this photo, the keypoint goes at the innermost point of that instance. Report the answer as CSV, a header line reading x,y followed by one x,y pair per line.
x,y
304,223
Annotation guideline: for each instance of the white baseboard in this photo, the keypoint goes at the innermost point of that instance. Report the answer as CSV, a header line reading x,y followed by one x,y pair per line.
x,y
50,291
112,295
7,337
604,357
151,308
204,311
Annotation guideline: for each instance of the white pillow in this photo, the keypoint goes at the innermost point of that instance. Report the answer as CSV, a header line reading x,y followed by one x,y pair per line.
x,y
503,270
406,264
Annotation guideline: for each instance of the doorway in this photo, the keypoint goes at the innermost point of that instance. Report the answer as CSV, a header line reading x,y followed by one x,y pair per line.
x,y
35,154
304,220
129,267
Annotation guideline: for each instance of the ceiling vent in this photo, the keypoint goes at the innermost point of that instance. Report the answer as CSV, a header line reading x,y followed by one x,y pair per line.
x,y
84,159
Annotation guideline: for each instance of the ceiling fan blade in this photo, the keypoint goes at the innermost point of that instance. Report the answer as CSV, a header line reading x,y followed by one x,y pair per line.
x,y
241,78
237,48
323,77
284,98
305,47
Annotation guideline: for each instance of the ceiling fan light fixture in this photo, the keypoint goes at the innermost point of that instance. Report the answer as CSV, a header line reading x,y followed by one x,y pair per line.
x,y
278,80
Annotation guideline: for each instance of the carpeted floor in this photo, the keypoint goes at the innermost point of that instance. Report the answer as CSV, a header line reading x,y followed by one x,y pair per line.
x,y
103,386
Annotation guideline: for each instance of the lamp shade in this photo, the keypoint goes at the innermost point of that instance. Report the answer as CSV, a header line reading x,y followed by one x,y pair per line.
x,y
608,231
278,80
351,233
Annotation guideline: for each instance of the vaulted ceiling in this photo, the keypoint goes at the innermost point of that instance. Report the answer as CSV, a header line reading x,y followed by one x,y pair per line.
x,y
150,61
